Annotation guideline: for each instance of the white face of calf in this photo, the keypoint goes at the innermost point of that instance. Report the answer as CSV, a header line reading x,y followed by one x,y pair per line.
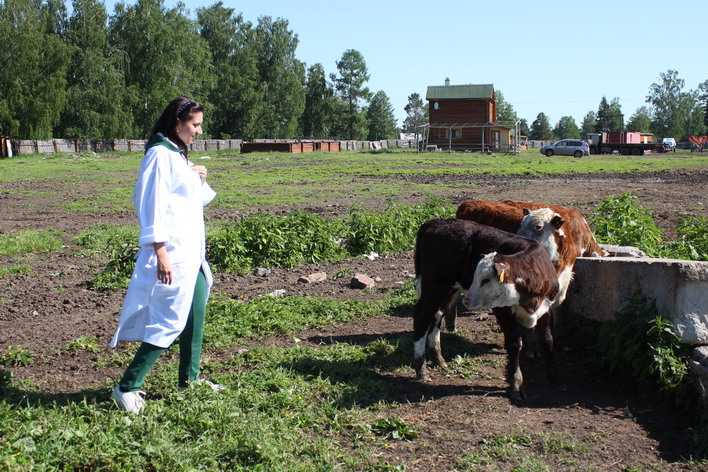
x,y
542,225
491,286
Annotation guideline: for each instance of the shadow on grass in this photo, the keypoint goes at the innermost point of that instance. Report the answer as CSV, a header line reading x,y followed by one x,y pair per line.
x,y
23,398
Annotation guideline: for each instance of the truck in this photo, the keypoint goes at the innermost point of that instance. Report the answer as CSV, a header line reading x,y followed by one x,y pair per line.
x,y
623,142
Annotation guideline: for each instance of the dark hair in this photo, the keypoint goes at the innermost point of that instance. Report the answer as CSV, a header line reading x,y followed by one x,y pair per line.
x,y
178,109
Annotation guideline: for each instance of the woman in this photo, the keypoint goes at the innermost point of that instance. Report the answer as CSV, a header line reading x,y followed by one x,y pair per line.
x,y
170,285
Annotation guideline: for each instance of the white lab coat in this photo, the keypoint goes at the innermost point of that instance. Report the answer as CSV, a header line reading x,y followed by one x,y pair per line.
x,y
169,198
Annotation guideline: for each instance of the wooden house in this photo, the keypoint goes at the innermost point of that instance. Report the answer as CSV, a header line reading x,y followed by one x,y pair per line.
x,y
464,117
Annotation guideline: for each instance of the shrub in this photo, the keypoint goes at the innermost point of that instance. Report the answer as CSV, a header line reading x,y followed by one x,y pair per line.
x,y
692,242
121,250
621,220
642,345
268,240
392,230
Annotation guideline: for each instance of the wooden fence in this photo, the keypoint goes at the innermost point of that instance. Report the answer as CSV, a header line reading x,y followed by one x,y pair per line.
x,y
54,146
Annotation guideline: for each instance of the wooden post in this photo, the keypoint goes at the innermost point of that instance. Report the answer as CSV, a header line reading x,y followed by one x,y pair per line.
x,y
482,139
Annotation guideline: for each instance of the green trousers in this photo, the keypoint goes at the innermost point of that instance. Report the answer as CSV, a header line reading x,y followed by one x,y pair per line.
x,y
190,346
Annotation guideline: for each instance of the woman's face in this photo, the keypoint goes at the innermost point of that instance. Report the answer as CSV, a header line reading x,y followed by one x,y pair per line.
x,y
188,129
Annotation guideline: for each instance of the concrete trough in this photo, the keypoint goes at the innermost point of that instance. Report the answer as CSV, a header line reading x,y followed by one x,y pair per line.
x,y
602,286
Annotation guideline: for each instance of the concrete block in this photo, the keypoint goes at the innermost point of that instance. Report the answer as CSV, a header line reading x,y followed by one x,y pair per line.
x,y
120,145
602,286
136,145
25,146
64,145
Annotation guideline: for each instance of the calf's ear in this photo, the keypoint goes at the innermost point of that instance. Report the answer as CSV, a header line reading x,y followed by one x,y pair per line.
x,y
526,211
557,221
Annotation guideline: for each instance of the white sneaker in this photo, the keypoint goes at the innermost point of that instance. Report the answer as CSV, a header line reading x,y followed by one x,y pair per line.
x,y
215,387
131,402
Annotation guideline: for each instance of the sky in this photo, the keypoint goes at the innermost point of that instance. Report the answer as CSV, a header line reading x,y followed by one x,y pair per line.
x,y
556,57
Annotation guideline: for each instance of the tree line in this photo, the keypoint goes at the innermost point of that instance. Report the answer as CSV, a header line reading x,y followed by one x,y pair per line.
x,y
671,111
94,75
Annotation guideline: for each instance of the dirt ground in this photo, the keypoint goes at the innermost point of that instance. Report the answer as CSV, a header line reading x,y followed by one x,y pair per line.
x,y
53,305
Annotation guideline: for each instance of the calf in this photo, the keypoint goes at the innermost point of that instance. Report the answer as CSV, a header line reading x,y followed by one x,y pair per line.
x,y
564,233
494,267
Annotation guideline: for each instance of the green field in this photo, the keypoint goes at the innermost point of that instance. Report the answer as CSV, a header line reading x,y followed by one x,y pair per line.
x,y
276,179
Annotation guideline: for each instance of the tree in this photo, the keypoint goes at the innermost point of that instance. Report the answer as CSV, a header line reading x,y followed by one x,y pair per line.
x,y
640,120
165,57
379,118
98,104
703,96
566,128
672,106
540,128
523,127
505,111
589,123
282,79
416,114
609,116
316,118
350,86
236,87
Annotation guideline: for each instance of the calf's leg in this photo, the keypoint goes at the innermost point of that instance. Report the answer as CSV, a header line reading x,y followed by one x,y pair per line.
x,y
544,334
434,340
513,342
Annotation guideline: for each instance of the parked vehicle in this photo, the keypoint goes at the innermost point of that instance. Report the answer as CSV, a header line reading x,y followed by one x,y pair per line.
x,y
669,144
623,142
567,147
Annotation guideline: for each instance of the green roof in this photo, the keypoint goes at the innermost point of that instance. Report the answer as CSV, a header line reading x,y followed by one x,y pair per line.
x,y
441,92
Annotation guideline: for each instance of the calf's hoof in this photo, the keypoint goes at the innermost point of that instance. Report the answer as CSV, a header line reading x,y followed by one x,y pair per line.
x,y
440,361
517,397
421,371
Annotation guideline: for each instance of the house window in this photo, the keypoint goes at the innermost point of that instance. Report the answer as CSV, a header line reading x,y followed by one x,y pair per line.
x,y
454,133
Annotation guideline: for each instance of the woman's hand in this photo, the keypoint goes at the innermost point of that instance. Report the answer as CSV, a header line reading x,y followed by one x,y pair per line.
x,y
164,267
202,171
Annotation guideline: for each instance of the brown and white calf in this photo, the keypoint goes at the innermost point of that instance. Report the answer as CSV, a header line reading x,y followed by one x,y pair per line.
x,y
563,231
494,268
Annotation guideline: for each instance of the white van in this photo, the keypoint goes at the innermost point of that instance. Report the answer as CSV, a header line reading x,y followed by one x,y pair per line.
x,y
669,144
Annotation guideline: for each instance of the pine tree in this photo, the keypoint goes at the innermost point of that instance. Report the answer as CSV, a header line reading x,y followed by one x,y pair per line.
x,y
540,128
379,118
316,119
350,86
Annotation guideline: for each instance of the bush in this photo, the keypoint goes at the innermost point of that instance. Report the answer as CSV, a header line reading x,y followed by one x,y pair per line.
x,y
392,230
268,240
121,250
643,346
621,220
692,242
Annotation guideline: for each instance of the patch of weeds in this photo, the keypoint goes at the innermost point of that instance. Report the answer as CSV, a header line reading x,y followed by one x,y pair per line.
x,y
15,269
692,242
561,444
341,273
514,450
621,220
642,345
468,366
392,230
394,428
83,343
16,356
97,238
121,251
264,240
29,241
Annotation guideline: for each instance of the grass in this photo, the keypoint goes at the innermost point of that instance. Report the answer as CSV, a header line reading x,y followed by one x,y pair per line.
x,y
248,182
525,452
15,269
16,356
29,241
